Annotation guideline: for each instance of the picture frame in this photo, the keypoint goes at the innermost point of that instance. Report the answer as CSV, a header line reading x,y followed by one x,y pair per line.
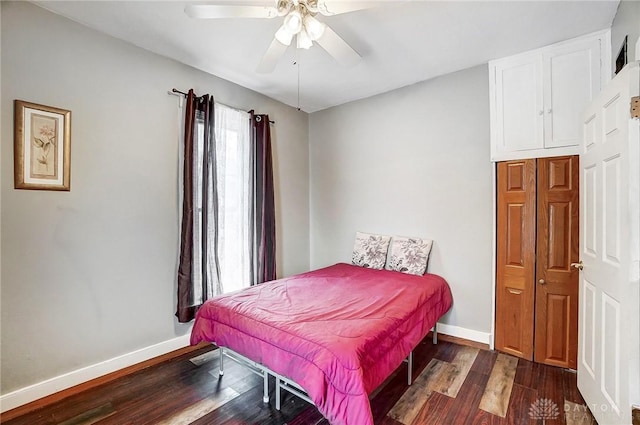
x,y
42,147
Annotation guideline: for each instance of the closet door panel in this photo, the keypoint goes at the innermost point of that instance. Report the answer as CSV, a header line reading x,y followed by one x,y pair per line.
x,y
556,329
516,257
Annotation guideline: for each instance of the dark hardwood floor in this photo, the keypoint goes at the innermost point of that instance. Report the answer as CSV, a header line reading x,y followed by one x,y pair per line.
x,y
453,384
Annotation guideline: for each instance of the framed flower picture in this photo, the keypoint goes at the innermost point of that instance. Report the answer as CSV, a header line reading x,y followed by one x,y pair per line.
x,y
42,147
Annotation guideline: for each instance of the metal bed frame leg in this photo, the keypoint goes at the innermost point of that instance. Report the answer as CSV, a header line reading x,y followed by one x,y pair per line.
x,y
265,393
435,335
277,393
221,367
409,368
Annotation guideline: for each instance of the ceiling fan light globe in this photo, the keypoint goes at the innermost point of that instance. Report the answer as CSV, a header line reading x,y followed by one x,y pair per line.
x,y
293,21
303,40
313,27
284,36
283,7
312,6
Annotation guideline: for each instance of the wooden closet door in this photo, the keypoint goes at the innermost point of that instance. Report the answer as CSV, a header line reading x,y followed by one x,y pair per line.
x,y
516,248
556,334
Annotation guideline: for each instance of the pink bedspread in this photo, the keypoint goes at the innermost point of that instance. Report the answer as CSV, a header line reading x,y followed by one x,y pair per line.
x,y
338,332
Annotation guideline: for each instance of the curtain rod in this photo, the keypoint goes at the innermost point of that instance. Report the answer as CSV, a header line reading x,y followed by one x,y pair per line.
x,y
199,97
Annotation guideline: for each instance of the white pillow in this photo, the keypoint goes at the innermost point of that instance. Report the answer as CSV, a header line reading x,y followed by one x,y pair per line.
x,y
370,250
409,255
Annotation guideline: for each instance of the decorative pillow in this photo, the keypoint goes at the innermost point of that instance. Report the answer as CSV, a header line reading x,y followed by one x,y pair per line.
x,y
370,250
409,255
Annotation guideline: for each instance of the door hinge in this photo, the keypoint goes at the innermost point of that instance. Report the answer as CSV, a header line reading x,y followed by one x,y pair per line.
x,y
635,107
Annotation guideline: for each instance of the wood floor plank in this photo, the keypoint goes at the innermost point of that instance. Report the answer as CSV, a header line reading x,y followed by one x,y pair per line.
x,y
486,418
386,421
434,410
451,382
529,374
498,391
245,384
91,416
465,405
409,405
244,409
205,357
308,416
169,398
234,376
446,352
577,414
201,408
519,412
484,362
553,387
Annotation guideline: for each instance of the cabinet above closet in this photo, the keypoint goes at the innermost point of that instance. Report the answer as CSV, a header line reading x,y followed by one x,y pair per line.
x,y
536,97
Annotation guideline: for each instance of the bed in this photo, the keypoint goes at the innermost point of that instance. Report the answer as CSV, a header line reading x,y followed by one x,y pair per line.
x,y
335,333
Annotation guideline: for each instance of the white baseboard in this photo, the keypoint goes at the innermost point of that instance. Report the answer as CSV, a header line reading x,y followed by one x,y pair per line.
x,y
50,386
464,333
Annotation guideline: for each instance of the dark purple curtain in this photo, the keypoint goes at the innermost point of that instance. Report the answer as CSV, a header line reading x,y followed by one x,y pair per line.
x,y
264,241
197,269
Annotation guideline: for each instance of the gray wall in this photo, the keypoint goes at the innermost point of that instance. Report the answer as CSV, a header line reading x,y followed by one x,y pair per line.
x,y
411,162
90,274
626,22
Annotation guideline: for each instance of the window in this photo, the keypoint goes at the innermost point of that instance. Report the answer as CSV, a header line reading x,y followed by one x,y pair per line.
x,y
230,201
228,233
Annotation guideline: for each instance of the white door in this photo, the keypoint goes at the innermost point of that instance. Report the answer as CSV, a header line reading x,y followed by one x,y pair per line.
x,y
609,322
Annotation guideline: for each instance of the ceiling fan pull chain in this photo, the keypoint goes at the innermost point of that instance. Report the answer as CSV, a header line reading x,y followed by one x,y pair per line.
x,y
298,66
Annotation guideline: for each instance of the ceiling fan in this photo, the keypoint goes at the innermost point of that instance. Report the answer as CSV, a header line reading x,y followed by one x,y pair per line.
x,y
299,21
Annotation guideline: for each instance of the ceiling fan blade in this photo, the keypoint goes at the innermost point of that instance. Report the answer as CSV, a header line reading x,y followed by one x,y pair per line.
x,y
338,48
336,7
215,11
271,57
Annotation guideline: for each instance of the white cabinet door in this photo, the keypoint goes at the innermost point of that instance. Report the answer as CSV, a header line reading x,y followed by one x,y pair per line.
x,y
519,114
571,80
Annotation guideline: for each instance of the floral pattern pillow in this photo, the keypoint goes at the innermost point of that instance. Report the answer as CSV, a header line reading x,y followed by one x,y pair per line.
x,y
409,255
370,250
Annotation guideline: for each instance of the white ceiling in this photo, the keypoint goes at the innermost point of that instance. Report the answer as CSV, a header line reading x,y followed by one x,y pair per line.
x,y
401,43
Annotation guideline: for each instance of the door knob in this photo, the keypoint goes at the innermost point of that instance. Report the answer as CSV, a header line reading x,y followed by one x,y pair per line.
x,y
578,265
542,282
